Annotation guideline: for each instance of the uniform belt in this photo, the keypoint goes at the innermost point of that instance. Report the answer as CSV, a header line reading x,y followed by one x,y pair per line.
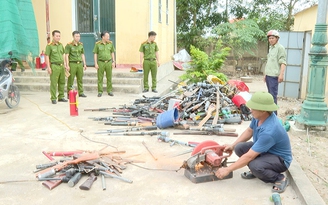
x,y
77,62
150,59
105,61
61,64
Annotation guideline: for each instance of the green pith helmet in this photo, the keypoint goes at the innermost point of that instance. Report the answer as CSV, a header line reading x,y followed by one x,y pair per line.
x,y
262,101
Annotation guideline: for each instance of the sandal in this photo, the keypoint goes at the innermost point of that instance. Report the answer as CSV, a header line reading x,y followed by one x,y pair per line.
x,y
280,186
247,175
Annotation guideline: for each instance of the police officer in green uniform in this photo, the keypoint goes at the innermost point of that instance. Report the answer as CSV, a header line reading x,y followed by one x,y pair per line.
x,y
149,56
104,62
55,59
74,54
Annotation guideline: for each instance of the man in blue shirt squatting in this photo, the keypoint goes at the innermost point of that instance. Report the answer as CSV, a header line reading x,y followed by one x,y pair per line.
x,y
269,154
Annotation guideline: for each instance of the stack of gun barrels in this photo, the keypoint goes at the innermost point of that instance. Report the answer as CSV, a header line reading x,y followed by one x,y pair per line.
x,y
76,165
192,101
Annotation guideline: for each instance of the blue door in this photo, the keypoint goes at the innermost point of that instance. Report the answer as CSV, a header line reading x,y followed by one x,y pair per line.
x,y
93,17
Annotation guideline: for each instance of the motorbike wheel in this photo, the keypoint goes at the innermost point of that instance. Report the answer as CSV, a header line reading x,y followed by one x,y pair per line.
x,y
13,97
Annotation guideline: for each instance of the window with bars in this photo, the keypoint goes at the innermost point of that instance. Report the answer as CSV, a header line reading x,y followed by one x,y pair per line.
x,y
85,16
107,15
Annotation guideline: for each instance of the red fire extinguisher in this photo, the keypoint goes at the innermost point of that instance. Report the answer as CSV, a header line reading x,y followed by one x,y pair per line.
x,y
73,103
43,61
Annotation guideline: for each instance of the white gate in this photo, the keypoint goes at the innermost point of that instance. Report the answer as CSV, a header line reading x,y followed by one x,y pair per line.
x,y
297,45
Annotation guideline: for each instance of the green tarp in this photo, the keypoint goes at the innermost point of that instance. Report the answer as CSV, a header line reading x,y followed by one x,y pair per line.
x,y
18,30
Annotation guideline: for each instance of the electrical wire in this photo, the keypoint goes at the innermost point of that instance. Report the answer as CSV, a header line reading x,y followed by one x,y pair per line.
x,y
146,168
69,127
99,142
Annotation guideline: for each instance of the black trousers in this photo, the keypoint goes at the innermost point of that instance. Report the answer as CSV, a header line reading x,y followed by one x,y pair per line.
x,y
267,167
272,85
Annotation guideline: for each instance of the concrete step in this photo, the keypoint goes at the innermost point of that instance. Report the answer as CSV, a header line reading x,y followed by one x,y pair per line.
x,y
86,80
122,80
91,72
87,87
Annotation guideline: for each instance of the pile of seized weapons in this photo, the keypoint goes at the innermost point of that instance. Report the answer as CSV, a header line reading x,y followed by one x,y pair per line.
x,y
77,164
203,109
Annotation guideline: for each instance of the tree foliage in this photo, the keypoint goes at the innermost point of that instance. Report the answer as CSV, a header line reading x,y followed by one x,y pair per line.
x,y
241,36
269,14
194,19
203,65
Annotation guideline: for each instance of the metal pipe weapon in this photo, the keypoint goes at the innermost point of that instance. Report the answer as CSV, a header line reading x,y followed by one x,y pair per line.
x,y
128,129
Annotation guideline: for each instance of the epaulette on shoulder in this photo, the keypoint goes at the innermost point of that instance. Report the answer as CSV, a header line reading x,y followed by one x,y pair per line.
x,y
144,42
69,43
80,43
98,42
49,44
109,41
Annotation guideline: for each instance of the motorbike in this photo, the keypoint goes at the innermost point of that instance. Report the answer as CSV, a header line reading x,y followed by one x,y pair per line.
x,y
9,92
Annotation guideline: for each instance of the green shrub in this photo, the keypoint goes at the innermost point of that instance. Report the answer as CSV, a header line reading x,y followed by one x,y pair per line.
x,y
203,65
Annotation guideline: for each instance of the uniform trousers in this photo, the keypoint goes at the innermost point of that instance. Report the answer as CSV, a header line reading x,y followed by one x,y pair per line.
x,y
76,69
104,67
57,80
150,66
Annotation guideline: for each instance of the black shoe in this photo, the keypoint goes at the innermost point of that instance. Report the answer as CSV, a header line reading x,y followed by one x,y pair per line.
x,y
99,94
82,95
110,94
154,91
145,90
53,101
62,100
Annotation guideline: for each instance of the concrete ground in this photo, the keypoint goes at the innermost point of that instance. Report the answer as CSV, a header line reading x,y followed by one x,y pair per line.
x,y
37,125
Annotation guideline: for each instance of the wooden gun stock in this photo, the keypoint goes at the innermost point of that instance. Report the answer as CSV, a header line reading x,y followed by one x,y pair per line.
x,y
58,167
88,183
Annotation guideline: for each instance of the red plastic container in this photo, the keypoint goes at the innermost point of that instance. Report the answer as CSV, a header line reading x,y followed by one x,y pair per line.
x,y
238,100
239,84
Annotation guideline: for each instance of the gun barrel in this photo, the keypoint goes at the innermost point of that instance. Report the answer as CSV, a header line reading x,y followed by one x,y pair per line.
x,y
43,166
103,182
114,176
47,174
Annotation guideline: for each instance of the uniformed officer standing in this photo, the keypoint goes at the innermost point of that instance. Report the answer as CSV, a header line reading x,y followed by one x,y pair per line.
x,y
104,62
55,59
149,56
74,54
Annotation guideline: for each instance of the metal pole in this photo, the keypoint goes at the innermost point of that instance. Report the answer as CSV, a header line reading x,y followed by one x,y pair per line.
x,y
314,109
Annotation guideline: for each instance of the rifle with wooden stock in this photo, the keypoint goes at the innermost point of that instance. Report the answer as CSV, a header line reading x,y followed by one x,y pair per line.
x,y
54,169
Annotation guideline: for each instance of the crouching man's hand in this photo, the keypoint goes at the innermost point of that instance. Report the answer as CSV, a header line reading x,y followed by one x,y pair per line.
x,y
222,172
